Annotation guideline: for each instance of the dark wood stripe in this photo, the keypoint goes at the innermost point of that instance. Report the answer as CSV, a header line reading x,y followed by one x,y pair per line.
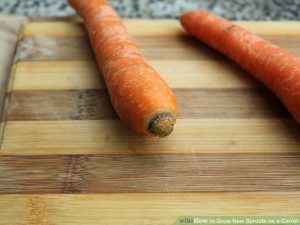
x,y
229,103
149,173
181,47
71,19
193,103
60,105
41,48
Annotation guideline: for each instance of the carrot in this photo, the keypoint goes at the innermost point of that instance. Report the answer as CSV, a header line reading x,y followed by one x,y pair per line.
x,y
273,66
141,98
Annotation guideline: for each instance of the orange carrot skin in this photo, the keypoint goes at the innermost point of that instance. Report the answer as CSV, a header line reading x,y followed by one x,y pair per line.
x,y
136,90
275,67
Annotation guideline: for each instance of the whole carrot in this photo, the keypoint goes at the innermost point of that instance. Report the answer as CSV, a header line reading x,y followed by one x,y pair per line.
x,y
139,95
275,67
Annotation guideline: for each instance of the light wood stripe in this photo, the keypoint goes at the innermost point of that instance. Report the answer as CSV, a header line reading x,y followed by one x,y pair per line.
x,y
189,136
137,209
135,27
86,75
157,28
276,28
57,75
53,28
149,173
193,104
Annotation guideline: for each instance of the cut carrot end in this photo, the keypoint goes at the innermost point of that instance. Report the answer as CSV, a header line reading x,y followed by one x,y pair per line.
x,y
162,124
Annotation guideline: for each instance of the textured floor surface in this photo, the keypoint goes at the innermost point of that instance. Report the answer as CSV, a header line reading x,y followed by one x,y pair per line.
x,y
231,9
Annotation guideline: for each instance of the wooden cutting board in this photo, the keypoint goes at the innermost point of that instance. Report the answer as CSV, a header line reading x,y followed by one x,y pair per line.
x,y
66,158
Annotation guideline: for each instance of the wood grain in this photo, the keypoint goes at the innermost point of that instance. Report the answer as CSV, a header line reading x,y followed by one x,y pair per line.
x,y
95,104
86,75
54,28
136,173
66,158
73,48
77,48
138,27
136,209
57,75
112,137
61,105
43,48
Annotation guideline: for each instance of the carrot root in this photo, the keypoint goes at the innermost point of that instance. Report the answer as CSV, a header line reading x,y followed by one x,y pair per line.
x,y
162,124
137,92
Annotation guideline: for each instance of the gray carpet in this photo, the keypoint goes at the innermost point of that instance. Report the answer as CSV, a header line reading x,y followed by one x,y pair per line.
x,y
231,9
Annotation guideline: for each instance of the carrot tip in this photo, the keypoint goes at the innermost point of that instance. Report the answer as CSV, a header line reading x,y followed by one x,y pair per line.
x,y
162,124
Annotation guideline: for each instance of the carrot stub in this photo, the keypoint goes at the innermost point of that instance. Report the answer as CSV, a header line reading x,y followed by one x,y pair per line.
x,y
275,67
139,95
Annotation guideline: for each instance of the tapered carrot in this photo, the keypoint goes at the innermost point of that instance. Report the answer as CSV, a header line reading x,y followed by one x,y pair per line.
x,y
139,95
275,67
